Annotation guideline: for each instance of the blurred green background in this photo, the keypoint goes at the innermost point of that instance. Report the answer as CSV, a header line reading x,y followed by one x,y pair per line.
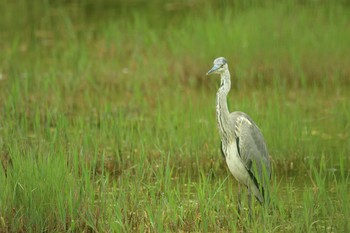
x,y
107,119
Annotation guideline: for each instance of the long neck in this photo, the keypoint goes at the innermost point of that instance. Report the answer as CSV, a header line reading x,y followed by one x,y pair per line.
x,y
222,112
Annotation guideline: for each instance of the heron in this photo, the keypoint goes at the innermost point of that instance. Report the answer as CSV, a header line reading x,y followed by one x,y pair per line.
x,y
242,143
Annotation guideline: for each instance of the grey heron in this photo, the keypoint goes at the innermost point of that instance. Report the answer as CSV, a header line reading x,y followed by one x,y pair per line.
x,y
242,143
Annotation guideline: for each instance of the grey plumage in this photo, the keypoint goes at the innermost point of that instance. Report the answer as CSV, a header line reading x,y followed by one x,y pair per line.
x,y
242,143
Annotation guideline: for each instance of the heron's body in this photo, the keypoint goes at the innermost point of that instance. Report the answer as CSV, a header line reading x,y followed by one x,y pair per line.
x,y
245,149
243,145
235,164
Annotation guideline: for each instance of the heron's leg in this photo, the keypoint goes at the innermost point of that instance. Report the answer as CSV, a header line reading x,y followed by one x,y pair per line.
x,y
239,201
250,203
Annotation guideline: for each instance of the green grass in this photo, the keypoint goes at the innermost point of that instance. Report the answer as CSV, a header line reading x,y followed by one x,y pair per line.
x,y
107,120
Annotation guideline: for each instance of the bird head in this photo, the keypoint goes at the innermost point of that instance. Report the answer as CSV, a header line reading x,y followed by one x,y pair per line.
x,y
220,65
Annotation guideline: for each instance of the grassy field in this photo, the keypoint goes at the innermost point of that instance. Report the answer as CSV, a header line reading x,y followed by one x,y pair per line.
x,y
107,119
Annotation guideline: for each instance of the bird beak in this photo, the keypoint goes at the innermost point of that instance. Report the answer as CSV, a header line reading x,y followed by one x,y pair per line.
x,y
215,67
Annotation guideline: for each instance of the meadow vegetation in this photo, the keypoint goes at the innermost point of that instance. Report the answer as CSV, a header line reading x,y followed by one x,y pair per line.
x,y
107,120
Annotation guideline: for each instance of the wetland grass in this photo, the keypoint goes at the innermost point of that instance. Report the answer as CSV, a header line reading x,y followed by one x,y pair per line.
x,y
107,124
